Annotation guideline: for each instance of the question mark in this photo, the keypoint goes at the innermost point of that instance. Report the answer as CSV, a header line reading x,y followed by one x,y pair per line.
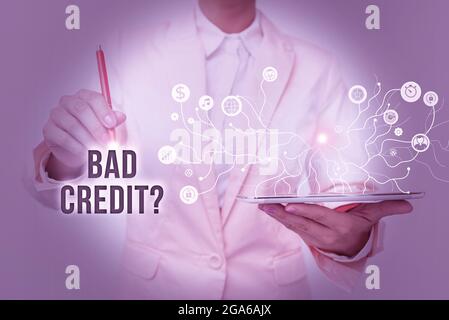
x,y
160,194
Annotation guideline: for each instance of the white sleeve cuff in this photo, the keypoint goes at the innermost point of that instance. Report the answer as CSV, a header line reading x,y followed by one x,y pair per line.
x,y
362,253
47,182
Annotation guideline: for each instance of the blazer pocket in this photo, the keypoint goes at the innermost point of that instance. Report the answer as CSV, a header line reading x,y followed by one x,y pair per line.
x,y
289,268
141,261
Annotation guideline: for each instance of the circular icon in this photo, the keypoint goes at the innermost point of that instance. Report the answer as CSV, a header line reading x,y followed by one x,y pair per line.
x,y
430,99
393,152
270,74
188,194
190,121
398,132
357,94
180,93
410,91
391,117
231,106
188,173
167,155
206,103
420,142
174,116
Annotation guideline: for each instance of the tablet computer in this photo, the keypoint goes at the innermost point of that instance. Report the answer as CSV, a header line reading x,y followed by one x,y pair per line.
x,y
332,197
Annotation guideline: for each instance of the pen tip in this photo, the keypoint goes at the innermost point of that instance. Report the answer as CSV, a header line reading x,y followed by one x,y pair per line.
x,y
99,47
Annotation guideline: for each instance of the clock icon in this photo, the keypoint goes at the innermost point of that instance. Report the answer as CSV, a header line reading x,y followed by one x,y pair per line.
x,y
410,91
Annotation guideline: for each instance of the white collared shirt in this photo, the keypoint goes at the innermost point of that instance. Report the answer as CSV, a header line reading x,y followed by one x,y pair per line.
x,y
229,57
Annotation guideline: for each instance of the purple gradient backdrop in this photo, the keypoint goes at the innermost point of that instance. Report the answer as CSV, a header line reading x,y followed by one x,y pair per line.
x,y
41,60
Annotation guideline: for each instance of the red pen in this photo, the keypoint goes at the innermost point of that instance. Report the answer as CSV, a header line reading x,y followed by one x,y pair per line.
x,y
104,82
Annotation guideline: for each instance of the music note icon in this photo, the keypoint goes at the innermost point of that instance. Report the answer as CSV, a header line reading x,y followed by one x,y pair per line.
x,y
206,103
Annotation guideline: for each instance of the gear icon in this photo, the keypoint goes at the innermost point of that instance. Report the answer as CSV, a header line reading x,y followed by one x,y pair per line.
x,y
398,132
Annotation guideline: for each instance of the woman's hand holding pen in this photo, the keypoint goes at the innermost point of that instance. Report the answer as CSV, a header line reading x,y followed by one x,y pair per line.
x,y
79,122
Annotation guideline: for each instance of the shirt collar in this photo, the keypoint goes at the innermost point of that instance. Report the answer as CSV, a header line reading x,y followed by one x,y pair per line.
x,y
212,37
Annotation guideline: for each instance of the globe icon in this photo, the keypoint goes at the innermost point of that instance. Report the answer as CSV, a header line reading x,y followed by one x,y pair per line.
x,y
231,106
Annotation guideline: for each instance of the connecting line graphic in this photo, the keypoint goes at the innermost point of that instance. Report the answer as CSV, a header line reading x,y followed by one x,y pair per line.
x,y
364,151
254,110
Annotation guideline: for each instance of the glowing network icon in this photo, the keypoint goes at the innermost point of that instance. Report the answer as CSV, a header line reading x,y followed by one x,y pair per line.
x,y
206,103
357,94
420,142
391,117
410,91
180,93
430,99
398,132
167,155
270,74
231,106
188,195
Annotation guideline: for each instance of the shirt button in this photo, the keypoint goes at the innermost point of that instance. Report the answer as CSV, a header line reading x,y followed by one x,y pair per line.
x,y
215,261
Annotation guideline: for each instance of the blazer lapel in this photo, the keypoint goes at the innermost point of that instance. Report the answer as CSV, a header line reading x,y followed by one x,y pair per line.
x,y
275,52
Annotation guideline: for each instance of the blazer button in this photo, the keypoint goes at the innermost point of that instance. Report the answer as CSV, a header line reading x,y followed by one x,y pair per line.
x,y
215,261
